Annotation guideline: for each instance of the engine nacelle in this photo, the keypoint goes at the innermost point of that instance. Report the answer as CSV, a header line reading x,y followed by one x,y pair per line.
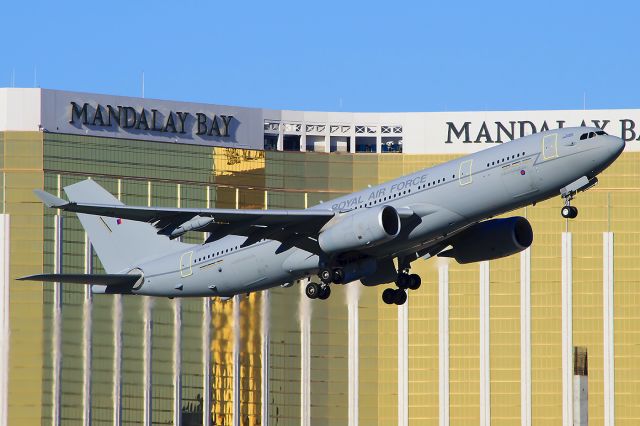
x,y
364,229
491,239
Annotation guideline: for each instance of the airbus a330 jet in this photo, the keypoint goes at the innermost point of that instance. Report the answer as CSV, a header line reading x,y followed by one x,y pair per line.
x,y
372,235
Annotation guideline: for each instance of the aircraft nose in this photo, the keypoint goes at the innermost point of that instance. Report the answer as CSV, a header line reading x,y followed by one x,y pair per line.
x,y
616,145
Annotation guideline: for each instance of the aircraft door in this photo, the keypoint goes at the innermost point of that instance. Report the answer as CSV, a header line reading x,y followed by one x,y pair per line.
x,y
185,264
550,147
464,173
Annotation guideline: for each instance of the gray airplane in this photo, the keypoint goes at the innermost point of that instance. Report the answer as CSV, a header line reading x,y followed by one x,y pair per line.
x,y
372,235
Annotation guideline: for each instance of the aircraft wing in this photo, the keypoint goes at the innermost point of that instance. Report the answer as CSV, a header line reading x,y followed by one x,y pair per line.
x,y
292,227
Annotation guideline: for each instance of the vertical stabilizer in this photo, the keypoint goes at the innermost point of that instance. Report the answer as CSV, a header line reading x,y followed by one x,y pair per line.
x,y
120,244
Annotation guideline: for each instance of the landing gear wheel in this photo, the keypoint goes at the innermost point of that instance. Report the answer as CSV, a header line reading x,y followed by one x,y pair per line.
x,y
400,297
414,281
574,212
338,275
312,290
389,296
325,275
403,281
325,292
569,212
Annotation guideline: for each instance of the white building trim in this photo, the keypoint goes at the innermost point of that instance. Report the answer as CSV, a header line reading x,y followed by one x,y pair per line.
x,y
354,353
525,337
567,330
485,367
87,335
403,364
443,344
608,330
5,338
57,325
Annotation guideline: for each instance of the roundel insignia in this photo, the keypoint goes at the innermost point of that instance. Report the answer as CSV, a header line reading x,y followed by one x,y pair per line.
x,y
522,172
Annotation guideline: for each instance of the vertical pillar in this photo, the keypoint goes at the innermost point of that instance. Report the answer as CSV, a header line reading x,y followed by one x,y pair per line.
x,y
580,387
117,359
265,314
567,331
87,327
117,349
236,347
403,364
265,319
485,368
443,344
608,344
177,361
148,332
177,347
353,352
4,318
305,357
206,346
57,323
305,350
525,337
236,360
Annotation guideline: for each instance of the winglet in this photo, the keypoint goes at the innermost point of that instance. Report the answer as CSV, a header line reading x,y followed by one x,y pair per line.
x,y
49,200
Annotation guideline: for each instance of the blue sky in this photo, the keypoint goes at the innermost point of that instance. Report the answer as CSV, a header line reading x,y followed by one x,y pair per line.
x,y
332,55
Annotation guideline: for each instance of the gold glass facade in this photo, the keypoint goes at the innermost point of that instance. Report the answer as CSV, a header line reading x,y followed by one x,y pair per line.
x,y
143,172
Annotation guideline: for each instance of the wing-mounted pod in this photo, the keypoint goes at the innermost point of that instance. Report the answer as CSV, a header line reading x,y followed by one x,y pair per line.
x,y
361,229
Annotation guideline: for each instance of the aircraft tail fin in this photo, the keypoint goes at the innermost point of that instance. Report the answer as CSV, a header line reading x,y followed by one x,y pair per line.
x,y
119,243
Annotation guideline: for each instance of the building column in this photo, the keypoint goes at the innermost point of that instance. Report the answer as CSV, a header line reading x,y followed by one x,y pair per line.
x,y
206,346
567,330
206,361
354,352
265,318
485,367
525,337
148,331
236,360
443,344
4,318
608,333
117,359
117,349
177,345
177,361
147,346
403,364
57,323
87,328
305,356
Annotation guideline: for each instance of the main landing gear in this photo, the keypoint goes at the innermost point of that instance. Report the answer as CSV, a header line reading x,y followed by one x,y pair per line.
x,y
327,276
318,291
398,296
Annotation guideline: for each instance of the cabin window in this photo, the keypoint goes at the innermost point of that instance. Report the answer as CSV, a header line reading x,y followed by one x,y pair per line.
x,y
601,132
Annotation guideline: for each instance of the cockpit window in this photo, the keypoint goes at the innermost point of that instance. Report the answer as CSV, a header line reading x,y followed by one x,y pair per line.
x,y
591,135
601,132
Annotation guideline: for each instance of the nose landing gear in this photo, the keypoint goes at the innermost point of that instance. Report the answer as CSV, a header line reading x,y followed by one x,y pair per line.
x,y
398,296
568,211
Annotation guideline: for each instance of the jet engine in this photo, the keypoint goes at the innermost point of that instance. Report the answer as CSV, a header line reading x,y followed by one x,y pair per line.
x,y
362,229
491,239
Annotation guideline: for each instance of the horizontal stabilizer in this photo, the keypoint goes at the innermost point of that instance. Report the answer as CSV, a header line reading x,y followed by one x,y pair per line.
x,y
123,280
48,199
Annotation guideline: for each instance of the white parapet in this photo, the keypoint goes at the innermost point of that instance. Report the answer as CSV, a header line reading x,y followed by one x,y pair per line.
x,y
4,319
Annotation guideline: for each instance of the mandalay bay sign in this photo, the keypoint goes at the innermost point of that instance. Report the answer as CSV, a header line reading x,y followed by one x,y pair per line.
x,y
149,120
